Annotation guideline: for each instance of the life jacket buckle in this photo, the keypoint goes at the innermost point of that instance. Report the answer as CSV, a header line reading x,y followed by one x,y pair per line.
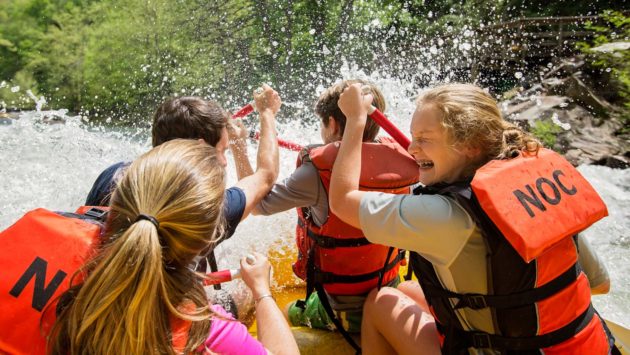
x,y
481,341
96,213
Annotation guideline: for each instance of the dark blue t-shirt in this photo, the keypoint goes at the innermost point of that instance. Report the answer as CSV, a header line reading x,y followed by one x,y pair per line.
x,y
233,205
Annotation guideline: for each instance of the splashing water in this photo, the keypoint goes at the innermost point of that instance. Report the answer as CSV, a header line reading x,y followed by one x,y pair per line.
x,y
52,163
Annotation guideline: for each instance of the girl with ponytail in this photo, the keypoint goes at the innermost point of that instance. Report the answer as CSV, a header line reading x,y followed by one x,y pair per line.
x,y
491,279
140,295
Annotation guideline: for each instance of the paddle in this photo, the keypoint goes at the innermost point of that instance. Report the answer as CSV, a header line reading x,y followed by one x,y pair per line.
x,y
249,108
389,127
222,276
374,113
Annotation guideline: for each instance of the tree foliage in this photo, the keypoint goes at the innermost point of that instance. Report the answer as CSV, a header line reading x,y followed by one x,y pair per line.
x,y
120,57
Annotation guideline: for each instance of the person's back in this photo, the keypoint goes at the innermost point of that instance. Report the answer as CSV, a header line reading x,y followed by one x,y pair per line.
x,y
139,295
326,244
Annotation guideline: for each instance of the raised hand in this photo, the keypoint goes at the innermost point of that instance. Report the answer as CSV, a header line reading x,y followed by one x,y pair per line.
x,y
354,103
267,99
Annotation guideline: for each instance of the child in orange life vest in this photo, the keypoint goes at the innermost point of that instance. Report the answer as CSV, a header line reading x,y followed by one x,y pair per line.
x,y
478,291
140,295
320,235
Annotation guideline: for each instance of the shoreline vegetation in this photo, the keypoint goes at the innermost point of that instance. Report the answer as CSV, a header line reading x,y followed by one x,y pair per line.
x,y
112,61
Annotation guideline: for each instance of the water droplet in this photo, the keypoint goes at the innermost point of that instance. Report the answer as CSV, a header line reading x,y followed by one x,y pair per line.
x,y
518,75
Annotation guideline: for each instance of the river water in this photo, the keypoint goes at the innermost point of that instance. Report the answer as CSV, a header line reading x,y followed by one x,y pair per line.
x,y
53,165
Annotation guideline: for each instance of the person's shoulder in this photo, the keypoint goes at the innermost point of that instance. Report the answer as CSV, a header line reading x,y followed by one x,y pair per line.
x,y
234,192
114,168
234,205
102,187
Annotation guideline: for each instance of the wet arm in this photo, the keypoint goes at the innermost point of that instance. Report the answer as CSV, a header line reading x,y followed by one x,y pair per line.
x,y
257,185
273,330
238,145
345,197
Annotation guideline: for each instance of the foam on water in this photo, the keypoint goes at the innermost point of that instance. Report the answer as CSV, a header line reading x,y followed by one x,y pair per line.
x,y
53,165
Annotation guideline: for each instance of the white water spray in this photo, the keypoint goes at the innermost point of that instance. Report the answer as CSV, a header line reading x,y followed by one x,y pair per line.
x,y
53,163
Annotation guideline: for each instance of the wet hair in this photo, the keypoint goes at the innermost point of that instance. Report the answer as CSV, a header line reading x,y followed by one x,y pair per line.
x,y
139,280
326,107
188,117
473,119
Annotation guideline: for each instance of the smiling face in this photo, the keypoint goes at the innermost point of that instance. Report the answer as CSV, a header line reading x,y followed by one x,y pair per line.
x,y
439,160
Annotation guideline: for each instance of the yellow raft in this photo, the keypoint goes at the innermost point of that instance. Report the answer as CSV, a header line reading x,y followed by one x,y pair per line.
x,y
315,341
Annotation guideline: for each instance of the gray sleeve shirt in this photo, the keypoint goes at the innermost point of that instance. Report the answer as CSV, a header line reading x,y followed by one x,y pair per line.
x,y
592,265
302,189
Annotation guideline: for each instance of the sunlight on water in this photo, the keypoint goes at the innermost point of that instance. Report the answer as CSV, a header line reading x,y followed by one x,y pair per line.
x,y
53,165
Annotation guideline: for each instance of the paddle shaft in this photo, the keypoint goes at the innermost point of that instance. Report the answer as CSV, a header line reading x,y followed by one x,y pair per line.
x,y
249,108
389,127
222,276
375,114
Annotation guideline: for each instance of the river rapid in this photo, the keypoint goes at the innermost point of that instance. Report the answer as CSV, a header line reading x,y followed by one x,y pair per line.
x,y
53,165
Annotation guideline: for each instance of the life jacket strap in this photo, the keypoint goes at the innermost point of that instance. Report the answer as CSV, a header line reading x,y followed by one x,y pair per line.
x,y
325,277
390,250
323,298
479,301
326,242
483,340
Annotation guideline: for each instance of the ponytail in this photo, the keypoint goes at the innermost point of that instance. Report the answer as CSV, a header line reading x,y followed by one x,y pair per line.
x,y
120,298
163,214
516,140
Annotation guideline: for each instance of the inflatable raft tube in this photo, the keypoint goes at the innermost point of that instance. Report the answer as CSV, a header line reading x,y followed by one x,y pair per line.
x,y
289,288
310,341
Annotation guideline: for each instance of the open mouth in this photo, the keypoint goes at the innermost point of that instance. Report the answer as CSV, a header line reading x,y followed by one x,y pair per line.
x,y
425,164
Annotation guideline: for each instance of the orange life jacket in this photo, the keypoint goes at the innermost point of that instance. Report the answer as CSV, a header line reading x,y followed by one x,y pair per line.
x,y
342,259
38,256
528,210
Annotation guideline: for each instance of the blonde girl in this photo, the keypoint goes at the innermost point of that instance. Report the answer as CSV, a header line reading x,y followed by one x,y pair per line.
x,y
140,295
469,273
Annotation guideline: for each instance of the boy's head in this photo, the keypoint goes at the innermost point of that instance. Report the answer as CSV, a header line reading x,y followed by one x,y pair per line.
x,y
326,107
191,118
188,118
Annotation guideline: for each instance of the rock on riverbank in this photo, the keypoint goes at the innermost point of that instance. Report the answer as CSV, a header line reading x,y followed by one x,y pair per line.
x,y
570,109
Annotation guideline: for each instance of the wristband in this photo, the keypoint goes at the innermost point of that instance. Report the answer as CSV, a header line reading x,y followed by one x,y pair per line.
x,y
263,296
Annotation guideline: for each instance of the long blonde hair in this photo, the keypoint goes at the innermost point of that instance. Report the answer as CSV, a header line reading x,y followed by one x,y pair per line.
x,y
139,280
472,118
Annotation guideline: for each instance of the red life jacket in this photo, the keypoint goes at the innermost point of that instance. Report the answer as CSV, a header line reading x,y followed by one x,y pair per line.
x,y
342,259
528,210
38,256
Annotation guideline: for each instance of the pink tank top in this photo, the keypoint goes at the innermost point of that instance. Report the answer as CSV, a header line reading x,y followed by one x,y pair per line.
x,y
229,336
